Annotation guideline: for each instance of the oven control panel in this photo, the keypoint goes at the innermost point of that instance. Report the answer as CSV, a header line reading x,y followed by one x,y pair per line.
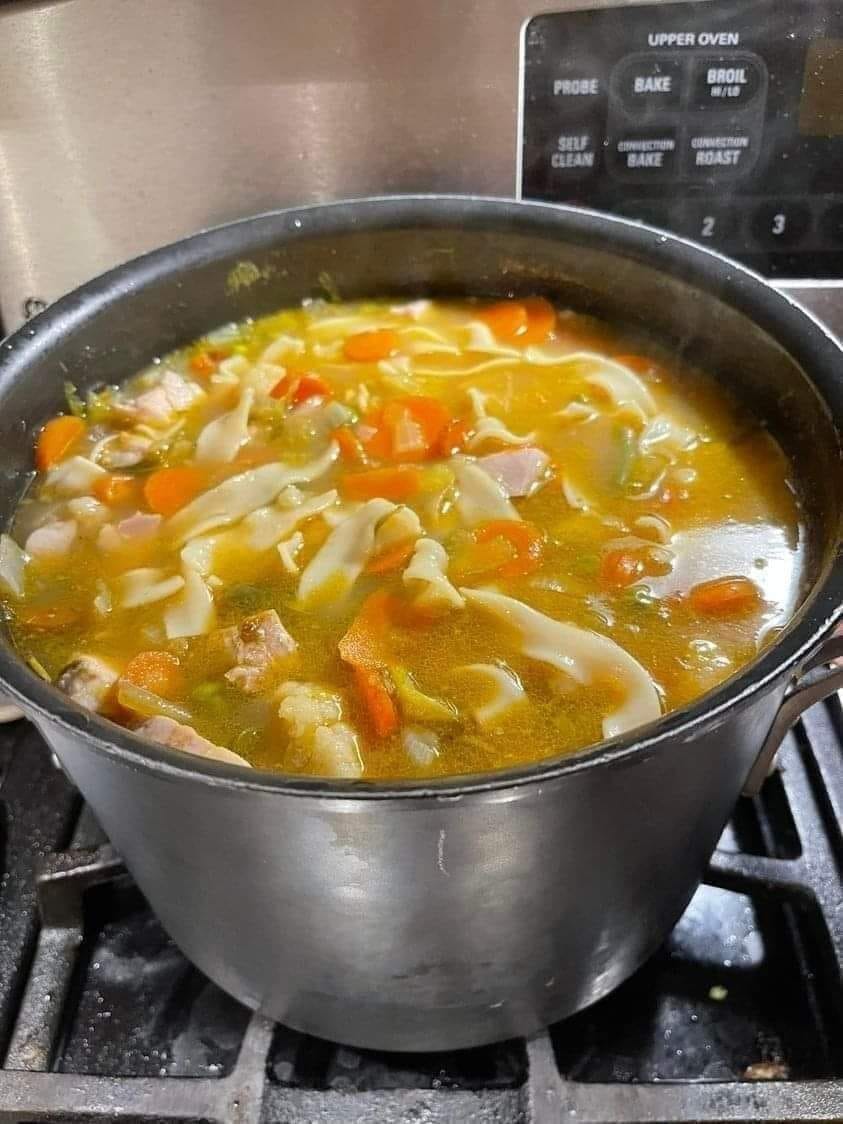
x,y
720,120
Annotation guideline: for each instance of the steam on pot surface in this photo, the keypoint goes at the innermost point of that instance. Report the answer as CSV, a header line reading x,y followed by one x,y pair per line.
x,y
390,540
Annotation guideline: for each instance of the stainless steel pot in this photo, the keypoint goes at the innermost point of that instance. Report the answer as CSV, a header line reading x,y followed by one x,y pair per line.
x,y
456,912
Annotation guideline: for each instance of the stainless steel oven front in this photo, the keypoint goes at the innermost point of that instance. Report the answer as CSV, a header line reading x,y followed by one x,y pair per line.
x,y
123,126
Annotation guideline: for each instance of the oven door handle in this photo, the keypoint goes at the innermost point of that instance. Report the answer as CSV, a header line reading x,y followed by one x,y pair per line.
x,y
820,677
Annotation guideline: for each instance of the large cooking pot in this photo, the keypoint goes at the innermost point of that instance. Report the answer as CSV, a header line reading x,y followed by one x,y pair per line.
x,y
452,912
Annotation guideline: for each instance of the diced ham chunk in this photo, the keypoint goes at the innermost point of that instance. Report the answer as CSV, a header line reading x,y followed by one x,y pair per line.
x,y
262,641
88,681
110,538
141,525
173,394
518,471
133,529
152,406
262,638
166,731
52,540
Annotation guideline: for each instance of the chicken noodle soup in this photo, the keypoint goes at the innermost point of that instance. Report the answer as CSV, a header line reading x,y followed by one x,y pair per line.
x,y
400,540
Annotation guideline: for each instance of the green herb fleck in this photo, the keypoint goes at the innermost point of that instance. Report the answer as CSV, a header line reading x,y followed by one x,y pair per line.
x,y
74,402
206,691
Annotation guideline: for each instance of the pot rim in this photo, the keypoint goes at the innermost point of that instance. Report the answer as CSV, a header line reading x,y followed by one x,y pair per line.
x,y
805,338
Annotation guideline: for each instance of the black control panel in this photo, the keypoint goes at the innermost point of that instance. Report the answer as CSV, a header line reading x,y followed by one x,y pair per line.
x,y
720,119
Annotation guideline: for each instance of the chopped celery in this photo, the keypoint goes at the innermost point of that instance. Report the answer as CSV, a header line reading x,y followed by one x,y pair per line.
x,y
415,704
98,405
74,402
627,450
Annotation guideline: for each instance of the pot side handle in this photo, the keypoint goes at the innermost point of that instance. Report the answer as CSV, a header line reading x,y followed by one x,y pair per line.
x,y
818,679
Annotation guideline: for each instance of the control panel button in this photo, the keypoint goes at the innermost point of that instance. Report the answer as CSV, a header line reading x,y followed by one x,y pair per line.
x,y
831,225
695,119
648,83
575,151
576,86
706,221
574,90
645,155
780,223
726,81
724,154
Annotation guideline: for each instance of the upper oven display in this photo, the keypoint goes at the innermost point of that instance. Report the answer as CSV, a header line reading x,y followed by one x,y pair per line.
x,y
721,120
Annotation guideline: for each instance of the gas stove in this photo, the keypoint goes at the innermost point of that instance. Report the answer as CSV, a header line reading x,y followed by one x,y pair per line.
x,y
739,1016
721,121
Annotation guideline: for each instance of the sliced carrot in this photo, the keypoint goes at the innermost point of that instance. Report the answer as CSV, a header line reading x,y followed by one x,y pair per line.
x,y
620,568
311,386
56,440
407,440
169,489
474,560
399,483
507,319
202,364
453,438
541,320
364,643
374,436
116,491
391,557
52,618
528,321
369,347
405,429
371,684
526,540
428,416
158,672
721,597
298,386
351,447
282,388
431,414
365,648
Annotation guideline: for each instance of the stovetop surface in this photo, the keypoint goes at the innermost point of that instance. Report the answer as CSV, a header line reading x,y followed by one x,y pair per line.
x,y
739,1016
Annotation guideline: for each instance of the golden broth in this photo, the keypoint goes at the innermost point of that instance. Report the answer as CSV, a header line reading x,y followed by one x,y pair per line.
x,y
653,515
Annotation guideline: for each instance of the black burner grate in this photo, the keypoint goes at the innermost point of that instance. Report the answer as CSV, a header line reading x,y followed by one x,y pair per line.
x,y
739,1017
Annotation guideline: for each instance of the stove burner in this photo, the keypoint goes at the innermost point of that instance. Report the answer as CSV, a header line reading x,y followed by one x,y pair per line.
x,y
739,1017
